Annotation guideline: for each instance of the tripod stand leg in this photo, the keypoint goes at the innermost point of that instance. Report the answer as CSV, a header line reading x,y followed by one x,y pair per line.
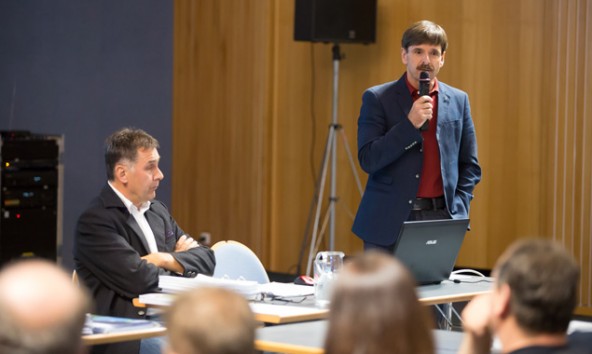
x,y
319,200
324,226
329,154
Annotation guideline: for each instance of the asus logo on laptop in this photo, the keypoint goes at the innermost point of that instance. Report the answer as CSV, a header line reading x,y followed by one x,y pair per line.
x,y
432,242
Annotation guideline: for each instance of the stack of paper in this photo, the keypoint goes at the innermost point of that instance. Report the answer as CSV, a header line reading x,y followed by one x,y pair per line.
x,y
96,324
157,299
171,284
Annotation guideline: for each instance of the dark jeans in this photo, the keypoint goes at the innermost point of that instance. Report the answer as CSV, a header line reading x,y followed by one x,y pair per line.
x,y
416,215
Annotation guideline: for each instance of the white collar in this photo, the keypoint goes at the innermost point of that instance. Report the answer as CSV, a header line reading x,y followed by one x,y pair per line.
x,y
128,204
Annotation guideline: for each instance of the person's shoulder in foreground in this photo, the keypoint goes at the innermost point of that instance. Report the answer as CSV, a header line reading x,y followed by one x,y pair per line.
x,y
531,305
41,311
581,340
210,321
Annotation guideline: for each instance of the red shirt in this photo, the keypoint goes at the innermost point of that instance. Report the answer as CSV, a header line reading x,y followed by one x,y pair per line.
x,y
430,181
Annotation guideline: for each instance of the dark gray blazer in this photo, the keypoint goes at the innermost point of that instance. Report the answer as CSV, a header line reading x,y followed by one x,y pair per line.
x,y
107,250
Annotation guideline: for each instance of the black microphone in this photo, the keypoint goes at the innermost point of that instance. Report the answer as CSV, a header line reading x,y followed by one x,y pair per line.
x,y
424,90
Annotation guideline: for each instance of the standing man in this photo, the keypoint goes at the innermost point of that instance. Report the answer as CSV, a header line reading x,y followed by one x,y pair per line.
x,y
126,238
415,173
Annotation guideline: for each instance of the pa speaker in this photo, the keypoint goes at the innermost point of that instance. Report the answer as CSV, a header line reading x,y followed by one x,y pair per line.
x,y
348,21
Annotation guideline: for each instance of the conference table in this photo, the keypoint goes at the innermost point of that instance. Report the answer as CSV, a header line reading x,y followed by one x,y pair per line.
x,y
282,312
458,289
309,338
108,338
297,338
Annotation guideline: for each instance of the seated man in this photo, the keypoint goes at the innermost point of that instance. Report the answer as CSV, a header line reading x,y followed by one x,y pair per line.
x,y
41,311
225,326
126,238
531,305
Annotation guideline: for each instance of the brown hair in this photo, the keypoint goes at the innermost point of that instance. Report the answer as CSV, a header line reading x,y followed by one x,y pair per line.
x,y
211,321
543,280
423,32
124,145
375,310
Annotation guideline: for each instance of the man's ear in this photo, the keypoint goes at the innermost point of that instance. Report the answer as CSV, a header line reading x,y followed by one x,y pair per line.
x,y
120,173
501,302
404,56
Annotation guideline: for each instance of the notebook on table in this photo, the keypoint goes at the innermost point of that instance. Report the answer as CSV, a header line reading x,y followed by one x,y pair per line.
x,y
430,248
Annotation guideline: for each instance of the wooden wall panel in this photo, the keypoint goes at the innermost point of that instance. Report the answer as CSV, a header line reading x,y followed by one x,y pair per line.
x,y
252,108
505,99
567,174
222,75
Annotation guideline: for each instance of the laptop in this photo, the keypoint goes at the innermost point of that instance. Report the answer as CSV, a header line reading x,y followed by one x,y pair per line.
x,y
429,248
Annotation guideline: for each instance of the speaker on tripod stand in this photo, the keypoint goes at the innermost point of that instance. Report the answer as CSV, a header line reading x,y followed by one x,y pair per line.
x,y
332,21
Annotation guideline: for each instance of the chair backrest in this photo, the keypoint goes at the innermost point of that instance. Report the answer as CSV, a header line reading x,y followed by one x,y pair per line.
x,y
235,260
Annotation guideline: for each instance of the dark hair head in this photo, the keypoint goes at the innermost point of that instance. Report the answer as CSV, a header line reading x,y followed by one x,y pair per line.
x,y
424,32
543,280
375,309
124,145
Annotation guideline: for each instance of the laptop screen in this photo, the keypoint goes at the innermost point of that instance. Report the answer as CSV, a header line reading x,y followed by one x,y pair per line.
x,y
429,248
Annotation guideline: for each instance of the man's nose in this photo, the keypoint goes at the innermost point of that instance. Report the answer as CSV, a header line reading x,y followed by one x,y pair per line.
x,y
159,175
425,58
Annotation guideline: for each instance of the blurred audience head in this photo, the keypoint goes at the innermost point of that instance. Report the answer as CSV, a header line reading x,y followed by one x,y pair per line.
x,y
530,305
41,311
210,321
537,280
375,309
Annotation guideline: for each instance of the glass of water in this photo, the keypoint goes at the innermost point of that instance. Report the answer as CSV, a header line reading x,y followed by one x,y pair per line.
x,y
327,265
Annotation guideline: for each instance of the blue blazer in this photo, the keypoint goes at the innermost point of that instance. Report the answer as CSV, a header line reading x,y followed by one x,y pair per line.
x,y
390,151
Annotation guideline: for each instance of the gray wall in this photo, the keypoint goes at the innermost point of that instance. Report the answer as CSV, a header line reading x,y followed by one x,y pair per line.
x,y
84,68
